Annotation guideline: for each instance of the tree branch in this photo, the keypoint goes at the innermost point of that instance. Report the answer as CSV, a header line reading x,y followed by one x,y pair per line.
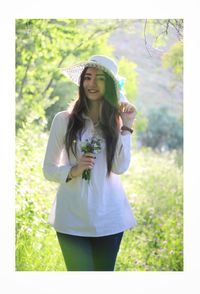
x,y
177,24
24,78
145,38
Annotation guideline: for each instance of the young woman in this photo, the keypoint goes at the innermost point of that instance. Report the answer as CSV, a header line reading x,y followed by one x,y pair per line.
x,y
88,147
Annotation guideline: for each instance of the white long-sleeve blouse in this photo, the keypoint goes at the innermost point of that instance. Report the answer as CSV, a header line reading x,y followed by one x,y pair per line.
x,y
97,208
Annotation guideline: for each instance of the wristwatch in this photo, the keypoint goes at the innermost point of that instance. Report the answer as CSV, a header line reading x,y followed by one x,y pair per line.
x,y
125,128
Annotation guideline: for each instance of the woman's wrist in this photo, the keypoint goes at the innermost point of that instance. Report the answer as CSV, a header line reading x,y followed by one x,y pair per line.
x,y
71,174
73,171
126,129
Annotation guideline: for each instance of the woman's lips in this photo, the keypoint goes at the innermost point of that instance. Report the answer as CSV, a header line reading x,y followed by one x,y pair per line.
x,y
93,91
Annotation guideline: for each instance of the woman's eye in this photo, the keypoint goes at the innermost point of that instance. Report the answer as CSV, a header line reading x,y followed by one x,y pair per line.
x,y
86,78
97,78
101,79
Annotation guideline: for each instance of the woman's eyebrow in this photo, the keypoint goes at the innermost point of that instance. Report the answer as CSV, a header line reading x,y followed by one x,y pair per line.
x,y
100,74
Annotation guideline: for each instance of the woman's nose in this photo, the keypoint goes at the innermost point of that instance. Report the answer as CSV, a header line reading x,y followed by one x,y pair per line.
x,y
94,82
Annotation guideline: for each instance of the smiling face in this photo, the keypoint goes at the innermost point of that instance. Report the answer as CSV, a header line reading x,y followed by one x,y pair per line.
x,y
94,83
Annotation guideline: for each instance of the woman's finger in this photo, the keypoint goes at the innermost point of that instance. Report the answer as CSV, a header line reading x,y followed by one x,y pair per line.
x,y
127,107
89,155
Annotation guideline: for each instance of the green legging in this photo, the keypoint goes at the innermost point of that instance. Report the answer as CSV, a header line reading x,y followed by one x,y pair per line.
x,y
90,253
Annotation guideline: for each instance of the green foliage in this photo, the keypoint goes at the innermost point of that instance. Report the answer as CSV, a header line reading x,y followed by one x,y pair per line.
x,y
156,30
141,123
43,46
163,131
174,59
127,70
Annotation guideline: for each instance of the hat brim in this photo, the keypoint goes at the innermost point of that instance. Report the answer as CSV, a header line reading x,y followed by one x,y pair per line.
x,y
74,72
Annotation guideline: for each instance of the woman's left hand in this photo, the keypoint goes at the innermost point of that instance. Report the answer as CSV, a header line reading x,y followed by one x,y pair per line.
x,y
127,113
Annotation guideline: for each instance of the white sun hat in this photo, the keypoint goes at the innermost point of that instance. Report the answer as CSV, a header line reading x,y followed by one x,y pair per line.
x,y
102,62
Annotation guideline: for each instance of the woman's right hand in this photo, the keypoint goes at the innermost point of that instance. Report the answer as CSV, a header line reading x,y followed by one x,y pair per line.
x,y
86,162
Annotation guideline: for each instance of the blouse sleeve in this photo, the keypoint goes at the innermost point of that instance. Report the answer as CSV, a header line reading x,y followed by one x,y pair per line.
x,y
52,169
122,156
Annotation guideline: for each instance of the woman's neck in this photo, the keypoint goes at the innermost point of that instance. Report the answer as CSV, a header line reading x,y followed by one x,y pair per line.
x,y
94,111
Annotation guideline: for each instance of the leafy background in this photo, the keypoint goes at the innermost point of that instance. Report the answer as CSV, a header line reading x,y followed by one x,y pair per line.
x,y
150,56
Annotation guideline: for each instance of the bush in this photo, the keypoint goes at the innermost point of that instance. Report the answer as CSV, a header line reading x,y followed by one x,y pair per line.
x,y
164,131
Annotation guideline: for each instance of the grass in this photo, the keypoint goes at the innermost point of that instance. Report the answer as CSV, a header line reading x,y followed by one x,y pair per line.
x,y
154,188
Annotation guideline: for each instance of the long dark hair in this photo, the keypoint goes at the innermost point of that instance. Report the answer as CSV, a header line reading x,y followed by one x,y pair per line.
x,y
109,119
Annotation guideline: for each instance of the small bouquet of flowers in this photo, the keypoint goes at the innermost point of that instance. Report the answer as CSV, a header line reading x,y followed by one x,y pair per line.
x,y
90,146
